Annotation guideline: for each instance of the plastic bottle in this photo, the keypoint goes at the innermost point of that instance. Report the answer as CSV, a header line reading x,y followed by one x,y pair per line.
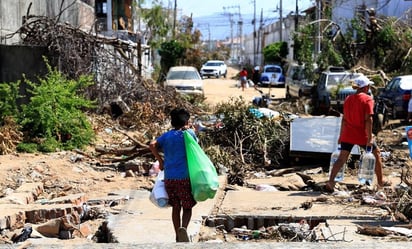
x,y
367,167
162,202
333,158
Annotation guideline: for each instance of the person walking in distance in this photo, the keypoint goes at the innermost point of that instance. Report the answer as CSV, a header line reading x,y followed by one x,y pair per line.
x,y
176,173
243,78
356,129
256,76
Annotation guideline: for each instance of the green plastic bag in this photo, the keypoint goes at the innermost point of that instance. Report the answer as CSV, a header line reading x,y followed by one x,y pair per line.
x,y
202,172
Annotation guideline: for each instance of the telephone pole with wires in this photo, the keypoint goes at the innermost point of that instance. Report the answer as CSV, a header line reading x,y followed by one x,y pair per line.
x,y
238,52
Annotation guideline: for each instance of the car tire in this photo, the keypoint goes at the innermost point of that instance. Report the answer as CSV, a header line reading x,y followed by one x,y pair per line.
x,y
382,120
378,123
394,115
287,95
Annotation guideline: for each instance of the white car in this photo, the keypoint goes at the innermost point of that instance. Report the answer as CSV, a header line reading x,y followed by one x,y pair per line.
x,y
272,75
185,79
214,68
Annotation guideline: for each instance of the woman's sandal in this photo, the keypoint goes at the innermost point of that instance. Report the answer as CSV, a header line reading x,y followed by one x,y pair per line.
x,y
328,189
386,183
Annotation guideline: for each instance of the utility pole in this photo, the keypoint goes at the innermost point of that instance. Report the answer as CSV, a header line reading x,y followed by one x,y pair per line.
x,y
254,33
296,27
231,28
281,21
260,38
174,20
296,17
318,33
209,39
239,48
240,34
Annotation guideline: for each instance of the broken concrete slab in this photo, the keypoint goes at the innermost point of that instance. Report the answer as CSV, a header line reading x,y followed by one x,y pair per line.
x,y
286,204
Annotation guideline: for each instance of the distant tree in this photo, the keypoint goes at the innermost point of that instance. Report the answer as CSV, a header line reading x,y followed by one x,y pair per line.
x,y
303,49
157,25
170,52
275,52
385,45
190,40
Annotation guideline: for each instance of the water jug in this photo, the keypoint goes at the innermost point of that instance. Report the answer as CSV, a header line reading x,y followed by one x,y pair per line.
x,y
367,167
333,158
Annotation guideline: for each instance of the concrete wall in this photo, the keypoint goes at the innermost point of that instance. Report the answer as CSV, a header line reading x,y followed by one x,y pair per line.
x,y
345,10
12,12
16,61
266,36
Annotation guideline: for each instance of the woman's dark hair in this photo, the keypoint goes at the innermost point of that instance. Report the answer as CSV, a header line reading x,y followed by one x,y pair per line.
x,y
179,117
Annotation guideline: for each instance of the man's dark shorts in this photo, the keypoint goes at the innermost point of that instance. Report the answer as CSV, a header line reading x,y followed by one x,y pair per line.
x,y
180,193
348,146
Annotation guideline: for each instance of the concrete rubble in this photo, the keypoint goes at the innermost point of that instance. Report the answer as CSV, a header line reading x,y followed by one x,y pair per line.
x,y
238,214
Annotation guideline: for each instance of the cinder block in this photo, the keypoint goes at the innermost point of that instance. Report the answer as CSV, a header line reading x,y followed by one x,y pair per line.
x,y
33,187
75,199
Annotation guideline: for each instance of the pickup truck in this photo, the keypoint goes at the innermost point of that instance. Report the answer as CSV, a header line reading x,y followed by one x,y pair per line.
x,y
333,87
214,68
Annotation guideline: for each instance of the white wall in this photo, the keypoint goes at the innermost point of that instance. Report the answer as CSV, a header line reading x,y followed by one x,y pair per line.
x,y
268,35
12,11
345,10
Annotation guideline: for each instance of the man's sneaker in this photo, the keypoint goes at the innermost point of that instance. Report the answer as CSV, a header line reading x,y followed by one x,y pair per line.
x,y
182,235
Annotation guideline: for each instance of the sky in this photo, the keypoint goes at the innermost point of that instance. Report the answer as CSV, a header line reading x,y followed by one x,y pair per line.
x,y
209,7
211,17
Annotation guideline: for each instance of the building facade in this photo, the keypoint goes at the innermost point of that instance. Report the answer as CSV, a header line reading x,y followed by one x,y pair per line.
x,y
342,12
13,14
110,18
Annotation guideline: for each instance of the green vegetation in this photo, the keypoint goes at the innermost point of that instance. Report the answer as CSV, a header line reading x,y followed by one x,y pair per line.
x,y
9,94
245,141
54,116
275,52
170,52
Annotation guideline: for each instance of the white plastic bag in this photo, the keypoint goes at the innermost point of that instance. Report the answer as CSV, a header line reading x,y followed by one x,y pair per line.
x,y
159,196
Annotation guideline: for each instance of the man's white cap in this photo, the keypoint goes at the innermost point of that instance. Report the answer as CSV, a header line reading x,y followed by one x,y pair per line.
x,y
362,81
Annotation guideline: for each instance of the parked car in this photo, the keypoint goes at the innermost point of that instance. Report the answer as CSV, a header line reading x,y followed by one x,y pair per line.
x,y
214,68
332,88
396,98
296,82
185,79
272,75
380,115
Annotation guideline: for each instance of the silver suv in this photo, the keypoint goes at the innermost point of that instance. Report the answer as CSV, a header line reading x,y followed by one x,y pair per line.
x,y
214,68
296,81
333,87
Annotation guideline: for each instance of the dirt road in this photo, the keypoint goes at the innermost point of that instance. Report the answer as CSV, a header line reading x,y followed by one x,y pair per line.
x,y
221,90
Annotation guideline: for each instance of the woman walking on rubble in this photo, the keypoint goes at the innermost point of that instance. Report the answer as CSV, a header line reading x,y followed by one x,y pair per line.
x,y
176,171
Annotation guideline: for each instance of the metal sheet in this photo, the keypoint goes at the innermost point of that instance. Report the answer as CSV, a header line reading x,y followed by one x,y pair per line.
x,y
316,135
